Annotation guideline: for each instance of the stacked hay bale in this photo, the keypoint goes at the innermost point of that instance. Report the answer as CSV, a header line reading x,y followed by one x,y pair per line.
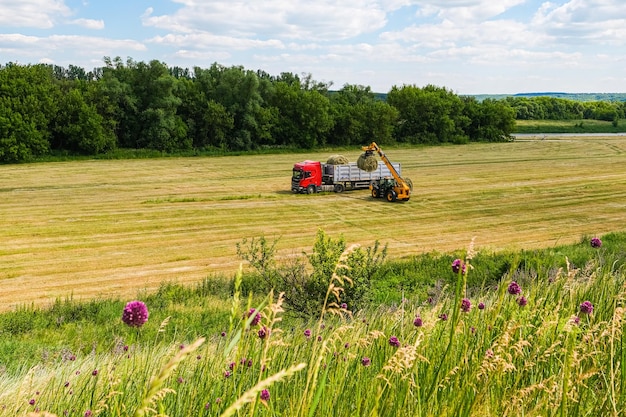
x,y
409,183
367,162
337,160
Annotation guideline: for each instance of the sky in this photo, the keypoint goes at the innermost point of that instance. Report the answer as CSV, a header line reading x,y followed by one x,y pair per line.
x,y
466,46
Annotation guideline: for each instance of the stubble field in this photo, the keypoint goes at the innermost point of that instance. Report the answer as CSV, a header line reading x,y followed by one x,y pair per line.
x,y
91,229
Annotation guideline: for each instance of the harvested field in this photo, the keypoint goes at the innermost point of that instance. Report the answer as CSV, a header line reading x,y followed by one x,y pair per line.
x,y
102,228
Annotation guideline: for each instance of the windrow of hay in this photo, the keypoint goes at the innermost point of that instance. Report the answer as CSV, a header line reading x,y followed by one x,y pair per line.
x,y
337,160
409,182
367,162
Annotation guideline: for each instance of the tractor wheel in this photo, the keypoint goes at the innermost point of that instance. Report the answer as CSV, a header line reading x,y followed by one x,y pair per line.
x,y
374,193
391,196
310,189
339,188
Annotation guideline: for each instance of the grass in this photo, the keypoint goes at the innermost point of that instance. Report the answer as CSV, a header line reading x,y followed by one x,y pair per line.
x,y
544,358
111,228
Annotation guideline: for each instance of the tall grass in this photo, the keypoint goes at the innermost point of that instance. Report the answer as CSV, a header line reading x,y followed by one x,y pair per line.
x,y
547,356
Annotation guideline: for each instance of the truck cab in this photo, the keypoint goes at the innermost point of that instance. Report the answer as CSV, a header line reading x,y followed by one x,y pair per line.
x,y
306,177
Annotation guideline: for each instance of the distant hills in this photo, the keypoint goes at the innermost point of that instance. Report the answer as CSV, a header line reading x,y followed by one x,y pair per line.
x,y
567,96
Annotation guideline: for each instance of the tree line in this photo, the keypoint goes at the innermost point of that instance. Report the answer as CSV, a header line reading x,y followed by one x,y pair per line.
x,y
48,109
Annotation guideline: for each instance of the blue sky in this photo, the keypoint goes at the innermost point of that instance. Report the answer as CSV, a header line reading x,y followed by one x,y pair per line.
x,y
467,46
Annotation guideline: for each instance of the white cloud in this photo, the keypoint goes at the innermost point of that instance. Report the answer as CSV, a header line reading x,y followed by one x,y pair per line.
x,y
89,23
40,14
297,19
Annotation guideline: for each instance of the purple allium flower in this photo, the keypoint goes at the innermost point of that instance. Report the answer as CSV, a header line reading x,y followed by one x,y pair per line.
x,y
596,242
231,366
207,406
263,332
95,372
514,288
31,401
125,348
347,345
458,265
180,380
522,301
265,395
366,361
307,333
575,319
218,400
135,314
466,305
257,317
67,384
88,413
199,357
481,306
319,338
223,334
443,316
227,374
417,322
393,341
344,306
72,357
586,307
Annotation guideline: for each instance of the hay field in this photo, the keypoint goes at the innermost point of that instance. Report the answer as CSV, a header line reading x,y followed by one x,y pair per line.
x,y
101,228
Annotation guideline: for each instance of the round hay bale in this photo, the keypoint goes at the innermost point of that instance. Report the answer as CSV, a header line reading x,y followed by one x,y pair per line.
x,y
337,160
409,183
367,163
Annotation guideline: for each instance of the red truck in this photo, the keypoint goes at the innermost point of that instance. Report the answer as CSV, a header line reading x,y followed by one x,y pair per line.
x,y
314,176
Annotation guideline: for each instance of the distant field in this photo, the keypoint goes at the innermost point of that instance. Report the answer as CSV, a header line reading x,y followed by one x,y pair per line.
x,y
568,126
92,229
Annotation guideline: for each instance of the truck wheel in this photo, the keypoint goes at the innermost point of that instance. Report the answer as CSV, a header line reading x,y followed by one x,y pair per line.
x,y
391,196
310,189
339,188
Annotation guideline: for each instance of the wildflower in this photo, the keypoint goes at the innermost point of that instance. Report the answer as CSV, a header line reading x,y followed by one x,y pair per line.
x,y
458,265
249,363
218,400
481,306
227,374
263,332
199,357
180,380
125,348
344,306
223,334
596,242
466,305
32,401
257,317
95,372
72,357
575,319
67,384
393,341
319,338
417,322
366,361
443,316
307,333
207,406
347,345
586,307
231,366
514,288
522,301
135,314
265,395
88,413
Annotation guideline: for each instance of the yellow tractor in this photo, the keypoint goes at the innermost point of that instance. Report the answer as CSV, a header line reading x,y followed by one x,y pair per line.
x,y
392,189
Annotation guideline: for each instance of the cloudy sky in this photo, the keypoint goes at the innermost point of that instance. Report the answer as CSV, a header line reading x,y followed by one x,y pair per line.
x,y
467,46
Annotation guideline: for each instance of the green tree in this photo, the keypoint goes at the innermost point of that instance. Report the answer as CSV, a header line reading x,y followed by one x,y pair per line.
x,y
428,115
26,106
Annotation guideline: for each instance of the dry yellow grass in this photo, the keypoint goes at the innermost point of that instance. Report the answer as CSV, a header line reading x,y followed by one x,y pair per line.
x,y
92,229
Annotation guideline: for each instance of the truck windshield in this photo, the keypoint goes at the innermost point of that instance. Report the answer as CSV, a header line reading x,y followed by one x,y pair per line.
x,y
297,175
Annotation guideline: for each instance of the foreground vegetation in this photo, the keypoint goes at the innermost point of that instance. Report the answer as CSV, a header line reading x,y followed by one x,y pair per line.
x,y
531,332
